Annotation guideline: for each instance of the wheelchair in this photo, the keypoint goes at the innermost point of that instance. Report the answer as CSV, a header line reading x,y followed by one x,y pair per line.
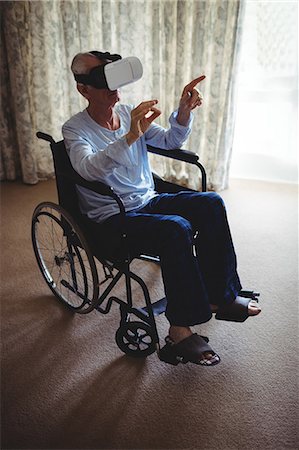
x,y
74,268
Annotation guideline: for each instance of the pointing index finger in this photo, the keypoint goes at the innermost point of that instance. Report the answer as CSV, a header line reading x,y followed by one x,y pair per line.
x,y
193,83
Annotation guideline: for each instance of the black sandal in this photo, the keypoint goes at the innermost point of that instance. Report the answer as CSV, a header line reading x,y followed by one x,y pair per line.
x,y
237,311
190,349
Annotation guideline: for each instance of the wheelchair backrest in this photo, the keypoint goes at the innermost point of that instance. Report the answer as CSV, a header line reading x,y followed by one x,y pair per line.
x,y
65,174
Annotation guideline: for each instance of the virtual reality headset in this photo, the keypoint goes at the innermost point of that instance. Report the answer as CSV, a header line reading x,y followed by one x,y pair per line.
x,y
114,73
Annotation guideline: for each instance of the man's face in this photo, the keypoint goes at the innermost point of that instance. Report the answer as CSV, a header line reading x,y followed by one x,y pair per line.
x,y
103,97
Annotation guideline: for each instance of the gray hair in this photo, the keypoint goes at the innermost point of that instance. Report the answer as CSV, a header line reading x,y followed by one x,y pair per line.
x,y
79,65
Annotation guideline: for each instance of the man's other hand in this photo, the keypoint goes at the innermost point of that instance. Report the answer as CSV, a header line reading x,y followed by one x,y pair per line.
x,y
191,98
141,118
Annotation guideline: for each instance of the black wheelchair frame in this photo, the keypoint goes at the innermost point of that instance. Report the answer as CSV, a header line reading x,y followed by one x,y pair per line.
x,y
69,261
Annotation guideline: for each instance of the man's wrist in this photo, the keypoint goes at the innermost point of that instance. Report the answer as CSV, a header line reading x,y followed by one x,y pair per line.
x,y
183,118
131,138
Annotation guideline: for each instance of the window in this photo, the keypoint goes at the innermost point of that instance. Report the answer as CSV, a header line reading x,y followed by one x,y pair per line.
x,y
265,141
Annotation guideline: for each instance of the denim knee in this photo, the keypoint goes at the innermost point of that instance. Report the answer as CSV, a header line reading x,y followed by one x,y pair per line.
x,y
176,229
215,205
215,198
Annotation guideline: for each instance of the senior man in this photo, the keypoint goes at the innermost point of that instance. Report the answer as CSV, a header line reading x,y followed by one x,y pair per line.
x,y
107,142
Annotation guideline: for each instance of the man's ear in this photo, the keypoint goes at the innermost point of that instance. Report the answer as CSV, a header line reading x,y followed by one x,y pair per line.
x,y
83,89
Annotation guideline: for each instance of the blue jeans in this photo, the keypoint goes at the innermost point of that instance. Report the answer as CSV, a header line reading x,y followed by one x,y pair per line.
x,y
197,271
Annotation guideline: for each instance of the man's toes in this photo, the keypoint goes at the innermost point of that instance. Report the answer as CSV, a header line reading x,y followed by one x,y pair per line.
x,y
209,359
253,308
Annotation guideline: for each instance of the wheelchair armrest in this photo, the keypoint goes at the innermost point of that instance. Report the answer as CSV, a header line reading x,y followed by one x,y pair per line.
x,y
182,155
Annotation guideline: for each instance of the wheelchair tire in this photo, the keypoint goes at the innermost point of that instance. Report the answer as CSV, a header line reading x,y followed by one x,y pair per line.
x,y
64,257
136,339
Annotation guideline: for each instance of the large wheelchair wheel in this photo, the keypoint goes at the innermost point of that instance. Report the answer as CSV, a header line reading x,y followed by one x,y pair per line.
x,y
136,339
64,257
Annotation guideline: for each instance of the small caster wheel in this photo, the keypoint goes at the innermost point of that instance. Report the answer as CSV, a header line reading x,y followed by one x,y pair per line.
x,y
136,339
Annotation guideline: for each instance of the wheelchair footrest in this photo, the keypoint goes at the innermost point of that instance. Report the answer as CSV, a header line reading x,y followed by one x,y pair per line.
x,y
158,307
249,294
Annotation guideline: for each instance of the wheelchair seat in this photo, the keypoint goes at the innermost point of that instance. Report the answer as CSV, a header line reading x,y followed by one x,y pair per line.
x,y
74,266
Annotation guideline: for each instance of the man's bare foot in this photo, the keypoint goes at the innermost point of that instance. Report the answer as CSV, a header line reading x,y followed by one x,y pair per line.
x,y
178,334
253,308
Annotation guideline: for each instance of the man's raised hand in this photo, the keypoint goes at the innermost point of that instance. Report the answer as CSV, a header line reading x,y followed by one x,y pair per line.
x,y
190,99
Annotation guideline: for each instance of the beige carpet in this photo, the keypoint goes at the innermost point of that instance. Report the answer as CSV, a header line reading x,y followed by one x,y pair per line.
x,y
66,385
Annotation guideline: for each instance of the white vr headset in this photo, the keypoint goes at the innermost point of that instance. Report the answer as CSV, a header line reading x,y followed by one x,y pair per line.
x,y
114,73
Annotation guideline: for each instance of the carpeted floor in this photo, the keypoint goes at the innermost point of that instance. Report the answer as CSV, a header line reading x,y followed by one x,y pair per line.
x,y
66,385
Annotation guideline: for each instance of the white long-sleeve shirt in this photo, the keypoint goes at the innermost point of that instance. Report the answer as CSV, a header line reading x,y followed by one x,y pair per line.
x,y
99,154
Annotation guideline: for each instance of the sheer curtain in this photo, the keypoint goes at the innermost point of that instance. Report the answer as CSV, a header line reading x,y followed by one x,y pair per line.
x,y
266,142
176,41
